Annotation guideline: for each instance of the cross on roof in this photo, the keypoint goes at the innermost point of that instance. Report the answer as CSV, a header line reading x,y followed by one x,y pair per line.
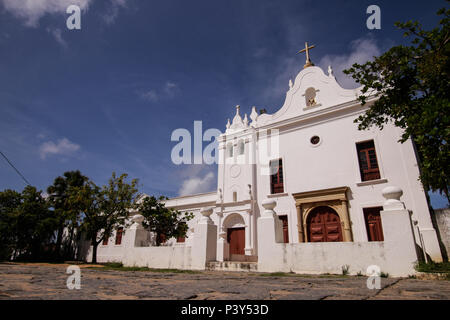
x,y
308,60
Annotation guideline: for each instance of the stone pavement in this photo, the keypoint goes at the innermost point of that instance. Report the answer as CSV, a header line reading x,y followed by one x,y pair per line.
x,y
48,281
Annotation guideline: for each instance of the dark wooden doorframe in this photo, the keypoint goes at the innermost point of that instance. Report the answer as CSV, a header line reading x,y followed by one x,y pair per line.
x,y
236,241
284,220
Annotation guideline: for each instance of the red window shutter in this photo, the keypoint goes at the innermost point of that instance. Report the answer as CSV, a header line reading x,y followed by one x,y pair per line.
x,y
181,239
162,238
368,164
276,179
373,223
119,236
284,220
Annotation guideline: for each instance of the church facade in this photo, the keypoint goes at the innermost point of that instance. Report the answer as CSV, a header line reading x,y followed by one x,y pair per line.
x,y
300,190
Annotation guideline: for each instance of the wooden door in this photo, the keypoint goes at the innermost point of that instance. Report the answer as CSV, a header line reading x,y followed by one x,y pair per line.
x,y
373,223
324,225
284,220
236,239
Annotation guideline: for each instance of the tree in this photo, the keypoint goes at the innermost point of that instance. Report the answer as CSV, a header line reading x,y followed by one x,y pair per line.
x,y
34,224
9,202
166,223
413,86
66,215
105,209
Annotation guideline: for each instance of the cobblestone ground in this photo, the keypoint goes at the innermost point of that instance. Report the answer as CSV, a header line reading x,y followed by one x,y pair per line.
x,y
48,281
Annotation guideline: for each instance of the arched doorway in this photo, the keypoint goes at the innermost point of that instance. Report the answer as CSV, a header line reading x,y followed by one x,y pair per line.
x,y
324,225
235,229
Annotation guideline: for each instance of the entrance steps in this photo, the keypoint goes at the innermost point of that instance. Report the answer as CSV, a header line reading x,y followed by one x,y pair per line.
x,y
241,266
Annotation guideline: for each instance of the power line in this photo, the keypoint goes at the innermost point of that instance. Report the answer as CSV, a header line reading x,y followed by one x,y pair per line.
x,y
18,172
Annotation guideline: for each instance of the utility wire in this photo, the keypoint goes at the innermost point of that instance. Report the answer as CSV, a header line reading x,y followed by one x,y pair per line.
x,y
18,172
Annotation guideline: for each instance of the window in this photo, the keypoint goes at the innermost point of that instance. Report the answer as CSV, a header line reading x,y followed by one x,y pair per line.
x,y
241,147
368,164
182,239
373,223
161,238
310,97
234,196
284,220
276,179
230,150
105,241
315,140
119,236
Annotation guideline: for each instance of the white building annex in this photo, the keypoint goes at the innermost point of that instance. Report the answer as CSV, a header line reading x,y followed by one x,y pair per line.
x,y
301,190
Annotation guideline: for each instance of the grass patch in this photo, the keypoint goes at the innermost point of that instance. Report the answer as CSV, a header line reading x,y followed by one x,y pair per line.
x,y
117,266
433,267
345,269
276,274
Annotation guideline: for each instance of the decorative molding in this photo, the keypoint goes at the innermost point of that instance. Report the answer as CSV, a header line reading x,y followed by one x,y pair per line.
x,y
371,182
277,195
335,198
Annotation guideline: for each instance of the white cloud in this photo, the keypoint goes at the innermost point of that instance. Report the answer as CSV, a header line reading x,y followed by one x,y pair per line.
x,y
362,50
56,33
150,95
169,90
196,185
62,147
113,10
31,11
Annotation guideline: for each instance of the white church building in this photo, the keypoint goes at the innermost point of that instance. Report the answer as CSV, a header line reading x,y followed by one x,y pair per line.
x,y
301,190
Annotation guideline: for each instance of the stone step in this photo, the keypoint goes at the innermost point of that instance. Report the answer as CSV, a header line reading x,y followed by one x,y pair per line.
x,y
243,258
232,266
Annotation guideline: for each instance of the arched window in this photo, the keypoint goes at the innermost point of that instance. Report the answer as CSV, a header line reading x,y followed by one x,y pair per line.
x,y
310,97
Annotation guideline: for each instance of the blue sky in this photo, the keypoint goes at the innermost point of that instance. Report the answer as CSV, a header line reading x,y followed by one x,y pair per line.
x,y
107,97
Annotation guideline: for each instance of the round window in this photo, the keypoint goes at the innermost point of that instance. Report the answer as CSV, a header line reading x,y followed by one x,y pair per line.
x,y
315,140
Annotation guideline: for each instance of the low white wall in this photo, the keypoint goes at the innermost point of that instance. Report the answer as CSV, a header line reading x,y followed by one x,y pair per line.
x,y
164,257
326,257
176,257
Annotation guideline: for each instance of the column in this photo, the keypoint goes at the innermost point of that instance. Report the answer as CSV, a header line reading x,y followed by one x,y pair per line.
x,y
248,234
301,236
399,242
204,248
347,227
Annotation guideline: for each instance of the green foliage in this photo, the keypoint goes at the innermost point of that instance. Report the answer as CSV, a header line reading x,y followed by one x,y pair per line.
x,y
66,215
106,208
163,221
433,267
119,267
26,224
412,84
9,202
